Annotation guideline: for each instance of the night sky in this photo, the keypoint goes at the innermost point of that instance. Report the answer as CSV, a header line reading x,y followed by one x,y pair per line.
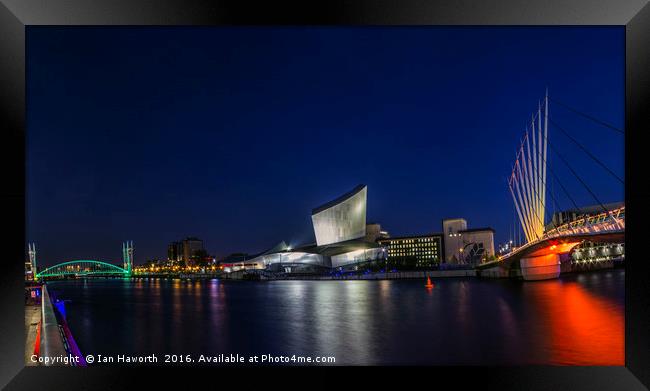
x,y
233,135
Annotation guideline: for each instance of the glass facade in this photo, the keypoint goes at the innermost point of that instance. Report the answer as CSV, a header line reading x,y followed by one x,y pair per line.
x,y
358,256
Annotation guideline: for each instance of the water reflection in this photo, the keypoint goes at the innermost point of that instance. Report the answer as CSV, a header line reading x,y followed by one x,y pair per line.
x,y
579,327
577,320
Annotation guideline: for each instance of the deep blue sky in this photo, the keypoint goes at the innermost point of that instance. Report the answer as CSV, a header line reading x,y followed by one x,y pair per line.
x,y
235,134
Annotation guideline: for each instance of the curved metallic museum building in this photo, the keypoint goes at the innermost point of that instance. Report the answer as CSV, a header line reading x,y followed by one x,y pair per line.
x,y
340,230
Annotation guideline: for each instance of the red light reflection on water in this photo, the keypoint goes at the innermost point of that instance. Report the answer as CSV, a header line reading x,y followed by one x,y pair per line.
x,y
581,327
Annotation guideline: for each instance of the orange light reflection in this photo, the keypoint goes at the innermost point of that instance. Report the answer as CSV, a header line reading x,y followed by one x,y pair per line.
x,y
583,329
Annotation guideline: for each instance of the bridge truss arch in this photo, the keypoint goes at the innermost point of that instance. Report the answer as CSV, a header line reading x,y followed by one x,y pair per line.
x,y
82,267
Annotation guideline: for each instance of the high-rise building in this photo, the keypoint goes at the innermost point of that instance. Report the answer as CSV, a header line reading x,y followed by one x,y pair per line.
x,y
175,252
412,252
191,246
187,251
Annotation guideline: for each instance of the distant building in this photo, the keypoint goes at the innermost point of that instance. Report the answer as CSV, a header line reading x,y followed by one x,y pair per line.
x,y
570,215
453,243
155,262
191,247
417,251
466,246
175,252
374,232
189,251
478,245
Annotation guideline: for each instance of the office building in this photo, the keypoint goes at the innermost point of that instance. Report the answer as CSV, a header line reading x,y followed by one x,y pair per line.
x,y
188,252
192,249
175,252
413,252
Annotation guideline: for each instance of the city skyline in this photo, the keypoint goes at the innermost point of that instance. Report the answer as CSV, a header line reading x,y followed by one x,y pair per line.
x,y
171,155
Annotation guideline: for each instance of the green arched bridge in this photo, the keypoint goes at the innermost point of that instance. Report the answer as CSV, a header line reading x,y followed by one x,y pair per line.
x,y
86,267
83,267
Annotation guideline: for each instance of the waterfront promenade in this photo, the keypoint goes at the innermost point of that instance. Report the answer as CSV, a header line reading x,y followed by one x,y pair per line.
x,y
263,275
32,320
43,336
401,275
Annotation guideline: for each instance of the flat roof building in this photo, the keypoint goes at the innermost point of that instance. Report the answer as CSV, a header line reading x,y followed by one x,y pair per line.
x,y
466,246
413,252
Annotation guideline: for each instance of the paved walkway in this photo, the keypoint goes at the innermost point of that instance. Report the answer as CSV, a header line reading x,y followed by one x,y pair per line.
x,y
32,317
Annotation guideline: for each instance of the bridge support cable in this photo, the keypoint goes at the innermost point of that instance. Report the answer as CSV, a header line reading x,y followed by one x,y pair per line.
x,y
524,223
543,207
540,219
534,174
513,230
530,183
523,183
530,204
519,200
550,169
522,200
538,204
519,204
555,203
528,179
564,190
544,163
605,124
523,203
545,141
539,159
540,188
594,158
540,198
578,177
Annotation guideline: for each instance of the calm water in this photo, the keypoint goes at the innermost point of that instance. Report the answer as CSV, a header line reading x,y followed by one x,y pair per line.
x,y
576,320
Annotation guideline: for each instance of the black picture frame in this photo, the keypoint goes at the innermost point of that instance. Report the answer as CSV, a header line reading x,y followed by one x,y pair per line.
x,y
16,15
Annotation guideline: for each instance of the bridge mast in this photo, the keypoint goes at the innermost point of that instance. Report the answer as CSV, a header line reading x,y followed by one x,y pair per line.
x,y
544,151
127,256
32,258
529,176
520,201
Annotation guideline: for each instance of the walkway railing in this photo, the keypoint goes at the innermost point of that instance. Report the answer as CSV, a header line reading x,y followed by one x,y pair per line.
x,y
613,220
